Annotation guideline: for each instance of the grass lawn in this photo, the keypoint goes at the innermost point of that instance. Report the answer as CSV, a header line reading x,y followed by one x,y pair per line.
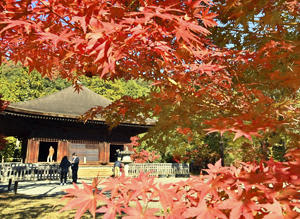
x,y
22,206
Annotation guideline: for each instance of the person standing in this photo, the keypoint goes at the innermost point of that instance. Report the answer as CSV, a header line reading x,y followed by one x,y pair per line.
x,y
75,163
117,166
50,155
64,169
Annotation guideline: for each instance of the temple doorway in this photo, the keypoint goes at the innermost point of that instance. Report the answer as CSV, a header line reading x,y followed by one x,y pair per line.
x,y
113,155
44,151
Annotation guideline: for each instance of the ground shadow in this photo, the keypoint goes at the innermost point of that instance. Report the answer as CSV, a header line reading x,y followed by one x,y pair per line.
x,y
24,206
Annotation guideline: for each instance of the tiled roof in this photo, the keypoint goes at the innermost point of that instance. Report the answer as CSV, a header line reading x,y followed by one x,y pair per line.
x,y
64,103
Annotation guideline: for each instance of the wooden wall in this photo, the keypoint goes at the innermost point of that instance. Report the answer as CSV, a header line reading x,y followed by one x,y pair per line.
x,y
32,154
62,150
104,149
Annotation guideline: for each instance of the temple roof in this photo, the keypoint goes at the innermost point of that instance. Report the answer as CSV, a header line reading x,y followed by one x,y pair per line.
x,y
64,103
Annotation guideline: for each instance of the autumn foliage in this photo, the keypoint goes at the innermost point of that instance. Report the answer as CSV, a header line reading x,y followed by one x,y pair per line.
x,y
141,155
266,190
241,77
144,156
194,80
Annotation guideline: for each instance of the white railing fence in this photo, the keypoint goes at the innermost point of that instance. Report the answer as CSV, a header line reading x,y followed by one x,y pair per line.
x,y
51,171
159,169
11,159
28,172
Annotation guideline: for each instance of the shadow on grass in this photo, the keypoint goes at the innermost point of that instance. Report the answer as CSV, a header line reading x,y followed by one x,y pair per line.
x,y
24,206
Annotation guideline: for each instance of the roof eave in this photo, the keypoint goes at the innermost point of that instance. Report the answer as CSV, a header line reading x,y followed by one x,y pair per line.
x,y
74,118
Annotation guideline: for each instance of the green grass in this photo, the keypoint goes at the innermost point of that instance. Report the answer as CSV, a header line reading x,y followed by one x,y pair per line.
x,y
23,206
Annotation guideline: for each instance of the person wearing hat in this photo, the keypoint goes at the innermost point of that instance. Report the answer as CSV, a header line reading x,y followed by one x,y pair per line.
x,y
74,167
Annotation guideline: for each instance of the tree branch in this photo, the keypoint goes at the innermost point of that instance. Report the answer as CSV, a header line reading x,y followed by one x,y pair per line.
x,y
62,18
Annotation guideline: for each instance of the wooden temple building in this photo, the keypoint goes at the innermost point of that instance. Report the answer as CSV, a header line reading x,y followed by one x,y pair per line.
x,y
53,121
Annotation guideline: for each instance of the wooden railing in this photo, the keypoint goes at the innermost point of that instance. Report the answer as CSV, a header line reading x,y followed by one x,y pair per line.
x,y
159,169
28,172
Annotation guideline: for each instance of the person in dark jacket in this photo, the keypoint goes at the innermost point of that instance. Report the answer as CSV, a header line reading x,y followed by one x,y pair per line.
x,y
64,168
75,163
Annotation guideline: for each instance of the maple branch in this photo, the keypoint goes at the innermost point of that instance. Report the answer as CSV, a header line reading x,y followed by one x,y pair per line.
x,y
62,18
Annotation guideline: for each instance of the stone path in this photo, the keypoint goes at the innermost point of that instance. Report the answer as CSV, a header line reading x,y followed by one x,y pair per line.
x,y
53,188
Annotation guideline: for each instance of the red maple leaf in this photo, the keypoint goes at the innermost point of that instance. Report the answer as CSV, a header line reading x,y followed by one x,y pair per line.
x,y
207,17
167,195
175,211
14,23
183,131
82,199
203,211
241,204
275,210
142,186
111,208
138,212
217,168
114,185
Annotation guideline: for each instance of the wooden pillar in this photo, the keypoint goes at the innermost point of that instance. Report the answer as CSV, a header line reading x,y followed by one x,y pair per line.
x,y
107,151
104,149
101,153
32,154
62,150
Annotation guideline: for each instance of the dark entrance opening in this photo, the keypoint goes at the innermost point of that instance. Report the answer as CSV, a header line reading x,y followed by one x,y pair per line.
x,y
44,151
113,155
